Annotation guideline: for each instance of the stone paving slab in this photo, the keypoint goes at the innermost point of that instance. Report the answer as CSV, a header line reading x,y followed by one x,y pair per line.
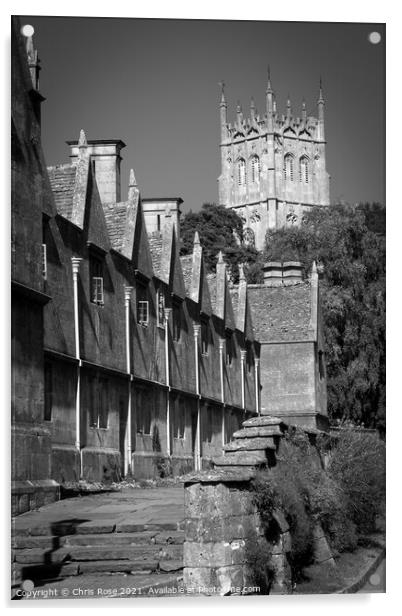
x,y
107,587
148,507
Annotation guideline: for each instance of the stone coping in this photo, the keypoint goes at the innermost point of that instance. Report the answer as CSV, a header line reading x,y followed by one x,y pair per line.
x,y
219,475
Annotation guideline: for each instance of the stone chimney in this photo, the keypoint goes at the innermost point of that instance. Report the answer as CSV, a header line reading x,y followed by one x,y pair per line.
x,y
106,159
277,274
292,272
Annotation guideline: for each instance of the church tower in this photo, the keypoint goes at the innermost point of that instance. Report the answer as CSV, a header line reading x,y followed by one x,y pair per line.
x,y
273,167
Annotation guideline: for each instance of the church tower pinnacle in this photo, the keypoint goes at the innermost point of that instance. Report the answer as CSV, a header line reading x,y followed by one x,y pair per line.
x,y
321,106
223,112
270,103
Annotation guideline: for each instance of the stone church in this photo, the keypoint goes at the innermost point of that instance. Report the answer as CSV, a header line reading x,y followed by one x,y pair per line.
x,y
273,166
128,359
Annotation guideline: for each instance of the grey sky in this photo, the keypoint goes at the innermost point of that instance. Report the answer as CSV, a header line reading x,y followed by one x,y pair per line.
x,y
154,84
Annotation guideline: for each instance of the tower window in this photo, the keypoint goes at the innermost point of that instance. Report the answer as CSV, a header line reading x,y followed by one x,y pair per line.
x,y
241,172
288,167
255,169
303,170
96,278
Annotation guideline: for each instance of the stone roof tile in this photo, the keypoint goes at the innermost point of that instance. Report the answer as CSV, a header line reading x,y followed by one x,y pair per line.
x,y
280,313
62,182
211,280
187,267
155,247
115,216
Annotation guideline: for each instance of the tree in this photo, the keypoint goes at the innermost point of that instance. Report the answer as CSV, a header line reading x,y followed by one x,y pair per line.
x,y
351,248
220,229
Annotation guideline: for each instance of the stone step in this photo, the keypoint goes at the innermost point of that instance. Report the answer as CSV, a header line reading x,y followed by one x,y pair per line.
x,y
84,553
48,529
238,458
257,431
42,572
143,538
54,571
262,420
251,444
137,584
118,566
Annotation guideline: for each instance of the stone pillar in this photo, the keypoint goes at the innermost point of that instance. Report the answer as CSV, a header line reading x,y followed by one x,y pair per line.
x,y
226,551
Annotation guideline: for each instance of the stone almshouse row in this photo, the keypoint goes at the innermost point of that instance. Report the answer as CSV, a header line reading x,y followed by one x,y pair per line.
x,y
128,359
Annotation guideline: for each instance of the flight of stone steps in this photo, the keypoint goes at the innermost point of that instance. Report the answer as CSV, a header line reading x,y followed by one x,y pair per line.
x,y
53,552
46,553
252,446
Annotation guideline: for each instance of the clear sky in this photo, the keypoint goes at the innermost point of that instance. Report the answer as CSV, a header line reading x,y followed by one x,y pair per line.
x,y
154,84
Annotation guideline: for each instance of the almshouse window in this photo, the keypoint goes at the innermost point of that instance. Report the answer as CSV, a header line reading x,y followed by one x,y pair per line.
x,y
96,279
288,167
160,308
142,305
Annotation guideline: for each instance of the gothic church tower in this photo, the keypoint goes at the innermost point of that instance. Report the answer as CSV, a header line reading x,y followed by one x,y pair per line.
x,y
272,166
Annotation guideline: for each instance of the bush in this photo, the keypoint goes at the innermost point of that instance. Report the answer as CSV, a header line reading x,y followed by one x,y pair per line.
x,y
345,499
357,465
258,554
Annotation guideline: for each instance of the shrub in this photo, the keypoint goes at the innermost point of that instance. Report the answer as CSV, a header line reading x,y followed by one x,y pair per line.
x,y
357,465
258,555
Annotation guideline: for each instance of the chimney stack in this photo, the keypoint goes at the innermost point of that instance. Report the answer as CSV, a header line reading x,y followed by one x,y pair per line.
x,y
277,274
106,159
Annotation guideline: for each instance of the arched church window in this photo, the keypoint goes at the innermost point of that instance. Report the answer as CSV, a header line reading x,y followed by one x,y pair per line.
x,y
255,169
303,170
288,167
241,172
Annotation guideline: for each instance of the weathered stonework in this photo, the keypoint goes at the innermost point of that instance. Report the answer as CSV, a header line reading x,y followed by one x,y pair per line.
x,y
227,544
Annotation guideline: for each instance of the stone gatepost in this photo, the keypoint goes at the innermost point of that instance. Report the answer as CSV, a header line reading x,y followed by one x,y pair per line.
x,y
226,551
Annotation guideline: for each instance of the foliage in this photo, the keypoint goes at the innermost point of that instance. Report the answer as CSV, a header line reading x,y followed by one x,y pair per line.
x,y
357,465
345,499
342,239
220,229
258,556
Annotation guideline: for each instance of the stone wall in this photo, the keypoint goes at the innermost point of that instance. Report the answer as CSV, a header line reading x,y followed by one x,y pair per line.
x,y
224,537
229,547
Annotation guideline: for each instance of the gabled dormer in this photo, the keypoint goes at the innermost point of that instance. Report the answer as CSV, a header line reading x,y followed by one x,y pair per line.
x,y
199,289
